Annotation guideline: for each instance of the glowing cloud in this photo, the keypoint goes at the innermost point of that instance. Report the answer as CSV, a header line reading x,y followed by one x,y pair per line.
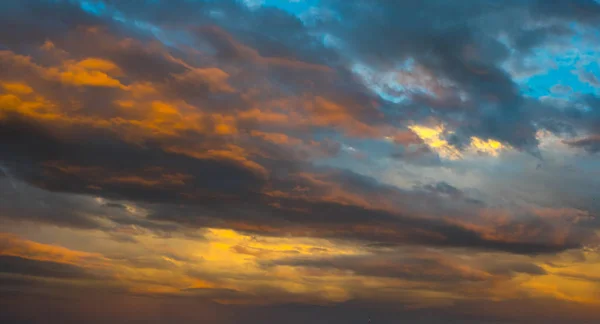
x,y
432,136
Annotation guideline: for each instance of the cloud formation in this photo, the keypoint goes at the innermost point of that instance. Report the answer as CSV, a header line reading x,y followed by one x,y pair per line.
x,y
287,156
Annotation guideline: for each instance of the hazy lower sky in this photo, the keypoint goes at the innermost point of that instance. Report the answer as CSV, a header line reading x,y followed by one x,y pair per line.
x,y
300,161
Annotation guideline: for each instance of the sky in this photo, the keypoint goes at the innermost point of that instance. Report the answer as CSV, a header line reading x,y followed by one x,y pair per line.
x,y
299,161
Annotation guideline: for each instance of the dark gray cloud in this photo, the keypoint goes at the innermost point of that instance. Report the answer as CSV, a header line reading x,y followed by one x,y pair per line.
x,y
587,11
330,220
459,42
428,269
495,108
584,115
37,268
589,78
590,144
444,188
27,22
421,156
580,277
27,147
217,294
510,268
220,194
109,308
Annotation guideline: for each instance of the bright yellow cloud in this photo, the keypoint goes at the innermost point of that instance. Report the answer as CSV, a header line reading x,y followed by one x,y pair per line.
x,y
560,287
490,146
432,136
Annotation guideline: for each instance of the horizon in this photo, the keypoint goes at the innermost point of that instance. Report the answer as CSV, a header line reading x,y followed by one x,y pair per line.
x,y
321,161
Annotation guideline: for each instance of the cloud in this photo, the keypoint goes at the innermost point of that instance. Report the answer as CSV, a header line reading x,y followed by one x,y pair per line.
x,y
590,144
427,268
580,277
463,49
588,77
28,267
338,153
325,210
21,252
164,168
510,268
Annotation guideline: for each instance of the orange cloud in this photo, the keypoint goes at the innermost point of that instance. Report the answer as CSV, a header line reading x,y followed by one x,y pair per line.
x,y
214,78
264,116
17,88
231,153
326,113
14,246
99,64
88,72
277,138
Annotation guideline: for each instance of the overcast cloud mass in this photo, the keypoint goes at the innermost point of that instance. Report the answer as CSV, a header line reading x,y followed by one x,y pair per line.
x,y
294,161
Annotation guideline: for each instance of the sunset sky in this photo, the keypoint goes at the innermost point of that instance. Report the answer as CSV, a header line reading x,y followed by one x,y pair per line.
x,y
299,161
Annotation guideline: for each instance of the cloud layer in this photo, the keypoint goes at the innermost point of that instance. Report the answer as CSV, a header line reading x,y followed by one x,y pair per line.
x,y
324,155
